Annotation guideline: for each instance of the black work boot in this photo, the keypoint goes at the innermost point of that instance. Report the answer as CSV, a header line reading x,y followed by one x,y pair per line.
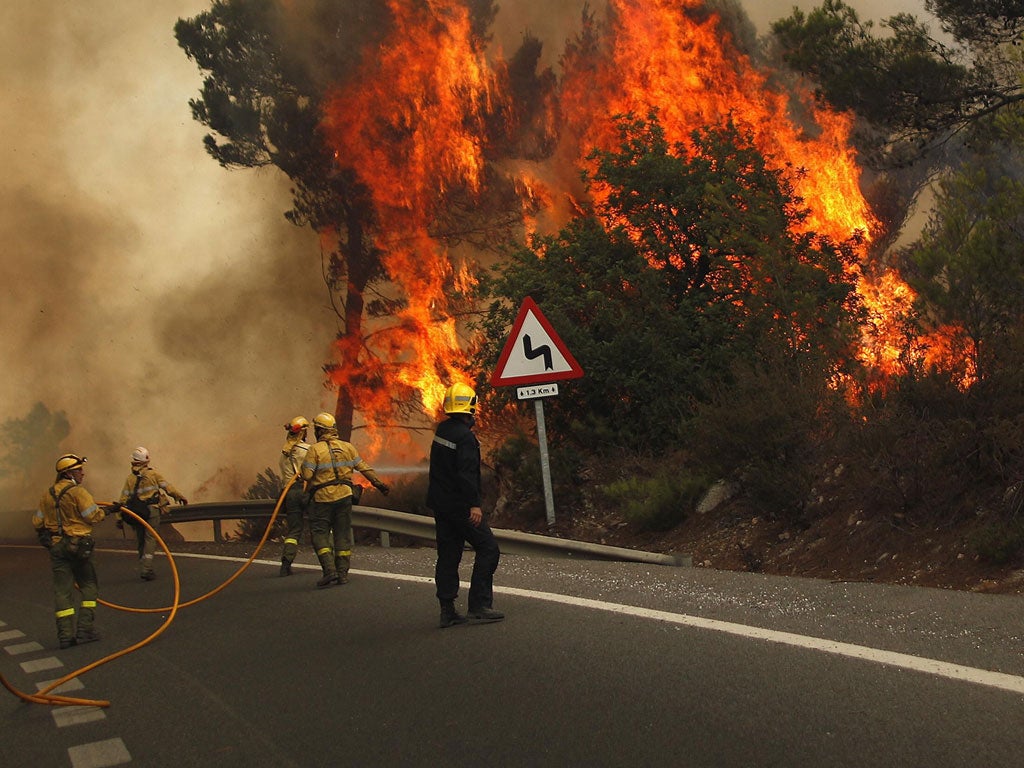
x,y
449,616
341,565
286,568
328,579
484,615
84,636
65,632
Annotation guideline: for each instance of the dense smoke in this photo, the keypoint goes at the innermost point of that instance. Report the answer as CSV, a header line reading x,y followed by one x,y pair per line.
x,y
149,296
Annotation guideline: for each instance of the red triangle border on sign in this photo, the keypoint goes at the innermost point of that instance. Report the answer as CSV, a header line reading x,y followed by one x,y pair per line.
x,y
498,379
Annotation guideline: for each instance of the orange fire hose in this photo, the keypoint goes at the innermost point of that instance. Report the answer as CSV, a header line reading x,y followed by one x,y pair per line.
x,y
45,697
235,575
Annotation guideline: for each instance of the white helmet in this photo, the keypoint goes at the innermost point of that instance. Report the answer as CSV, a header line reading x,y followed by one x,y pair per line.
x,y
140,456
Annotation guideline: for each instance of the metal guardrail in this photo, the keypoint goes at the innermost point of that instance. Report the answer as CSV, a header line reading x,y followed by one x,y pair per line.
x,y
422,527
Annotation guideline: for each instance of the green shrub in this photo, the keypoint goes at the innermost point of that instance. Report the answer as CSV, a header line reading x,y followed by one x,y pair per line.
x,y
997,542
657,503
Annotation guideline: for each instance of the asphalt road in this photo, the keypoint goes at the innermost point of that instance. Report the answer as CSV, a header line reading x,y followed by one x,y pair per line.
x,y
598,664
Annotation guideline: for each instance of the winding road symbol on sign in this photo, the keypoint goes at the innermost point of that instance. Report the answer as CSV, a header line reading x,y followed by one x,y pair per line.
x,y
532,354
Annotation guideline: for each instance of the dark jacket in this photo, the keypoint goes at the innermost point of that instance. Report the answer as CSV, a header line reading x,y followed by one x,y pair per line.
x,y
454,468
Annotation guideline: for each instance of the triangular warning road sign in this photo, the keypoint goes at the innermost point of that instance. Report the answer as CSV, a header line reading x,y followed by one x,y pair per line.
x,y
533,353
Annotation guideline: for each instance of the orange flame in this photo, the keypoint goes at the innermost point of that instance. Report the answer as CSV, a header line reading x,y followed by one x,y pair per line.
x,y
411,125
674,57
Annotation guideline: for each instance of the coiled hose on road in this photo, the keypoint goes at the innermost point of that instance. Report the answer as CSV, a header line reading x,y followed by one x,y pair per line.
x,y
45,696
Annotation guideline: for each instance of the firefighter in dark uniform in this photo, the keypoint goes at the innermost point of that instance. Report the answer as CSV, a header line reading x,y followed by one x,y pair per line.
x,y
145,493
64,521
453,495
327,470
292,454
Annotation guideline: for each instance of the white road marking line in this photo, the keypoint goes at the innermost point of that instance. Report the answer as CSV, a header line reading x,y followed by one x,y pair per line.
x,y
74,684
73,714
1000,680
12,634
99,754
29,647
41,665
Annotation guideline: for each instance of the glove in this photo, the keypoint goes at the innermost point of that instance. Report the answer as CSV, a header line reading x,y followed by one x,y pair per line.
x,y
114,508
183,502
383,488
45,538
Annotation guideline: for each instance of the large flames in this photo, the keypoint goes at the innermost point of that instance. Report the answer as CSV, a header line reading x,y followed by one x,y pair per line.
x,y
412,125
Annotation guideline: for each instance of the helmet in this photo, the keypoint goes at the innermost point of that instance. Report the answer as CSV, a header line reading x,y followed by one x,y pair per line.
x,y
324,421
460,398
296,425
69,461
140,456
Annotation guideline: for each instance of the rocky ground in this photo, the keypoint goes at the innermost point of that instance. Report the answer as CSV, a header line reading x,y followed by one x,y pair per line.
x,y
839,547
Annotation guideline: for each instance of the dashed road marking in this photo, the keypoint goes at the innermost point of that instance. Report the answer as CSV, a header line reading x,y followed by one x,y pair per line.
x,y
12,634
74,684
41,665
66,715
99,754
17,650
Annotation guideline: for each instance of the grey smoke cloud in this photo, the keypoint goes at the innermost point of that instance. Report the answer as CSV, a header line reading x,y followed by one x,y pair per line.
x,y
148,294
145,292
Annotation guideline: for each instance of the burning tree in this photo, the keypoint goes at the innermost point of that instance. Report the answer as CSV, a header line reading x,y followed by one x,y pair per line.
x,y
381,115
693,265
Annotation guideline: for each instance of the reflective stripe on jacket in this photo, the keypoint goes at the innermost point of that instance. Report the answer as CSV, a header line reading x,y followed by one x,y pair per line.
x,y
79,512
328,468
150,483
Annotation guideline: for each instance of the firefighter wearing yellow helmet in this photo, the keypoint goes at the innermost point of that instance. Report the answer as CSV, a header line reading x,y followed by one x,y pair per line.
x,y
63,522
454,496
292,453
327,470
145,493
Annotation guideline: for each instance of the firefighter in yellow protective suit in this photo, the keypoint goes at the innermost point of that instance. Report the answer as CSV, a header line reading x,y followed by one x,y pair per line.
x,y
145,493
327,470
292,454
63,522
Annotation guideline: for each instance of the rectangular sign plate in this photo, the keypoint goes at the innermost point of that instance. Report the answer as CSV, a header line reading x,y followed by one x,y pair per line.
x,y
536,390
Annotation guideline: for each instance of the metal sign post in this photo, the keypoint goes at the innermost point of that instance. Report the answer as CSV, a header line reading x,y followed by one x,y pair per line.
x,y
534,355
545,465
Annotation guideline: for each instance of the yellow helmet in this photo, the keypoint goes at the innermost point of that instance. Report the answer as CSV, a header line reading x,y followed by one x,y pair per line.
x,y
69,461
324,421
459,398
296,425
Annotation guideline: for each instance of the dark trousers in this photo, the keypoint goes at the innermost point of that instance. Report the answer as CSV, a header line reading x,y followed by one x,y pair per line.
x,y
454,531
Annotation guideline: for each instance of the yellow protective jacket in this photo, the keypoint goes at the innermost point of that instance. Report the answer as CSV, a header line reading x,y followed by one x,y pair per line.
x,y
292,454
78,513
149,486
328,467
